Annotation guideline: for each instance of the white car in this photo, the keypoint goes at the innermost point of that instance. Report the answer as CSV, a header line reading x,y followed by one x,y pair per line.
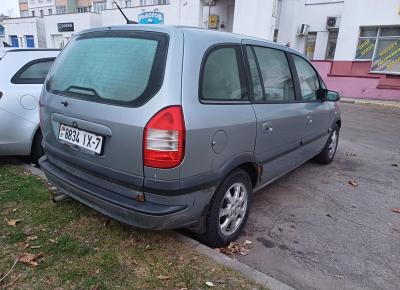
x,y
22,74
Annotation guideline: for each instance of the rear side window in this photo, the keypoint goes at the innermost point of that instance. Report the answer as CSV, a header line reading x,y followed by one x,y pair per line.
x,y
271,77
34,72
222,75
308,78
125,68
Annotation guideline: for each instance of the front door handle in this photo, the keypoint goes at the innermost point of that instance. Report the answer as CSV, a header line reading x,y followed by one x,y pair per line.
x,y
267,127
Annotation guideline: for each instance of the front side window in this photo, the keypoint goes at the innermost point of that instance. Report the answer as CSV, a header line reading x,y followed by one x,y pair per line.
x,y
221,79
308,78
34,72
272,80
87,70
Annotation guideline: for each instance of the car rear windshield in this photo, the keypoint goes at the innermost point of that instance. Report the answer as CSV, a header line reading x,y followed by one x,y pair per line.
x,y
119,67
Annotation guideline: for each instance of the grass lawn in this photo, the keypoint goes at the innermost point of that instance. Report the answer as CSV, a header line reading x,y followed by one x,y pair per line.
x,y
85,250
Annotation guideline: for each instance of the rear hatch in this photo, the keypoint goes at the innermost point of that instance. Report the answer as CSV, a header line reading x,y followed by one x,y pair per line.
x,y
98,97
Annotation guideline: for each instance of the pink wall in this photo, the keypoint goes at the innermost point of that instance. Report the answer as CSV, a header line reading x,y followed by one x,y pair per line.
x,y
352,79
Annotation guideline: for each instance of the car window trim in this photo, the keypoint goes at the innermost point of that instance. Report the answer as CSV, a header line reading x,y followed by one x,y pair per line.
x,y
242,75
21,81
261,77
301,100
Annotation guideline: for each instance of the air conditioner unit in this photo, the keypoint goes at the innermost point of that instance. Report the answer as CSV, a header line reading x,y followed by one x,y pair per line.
x,y
332,22
303,30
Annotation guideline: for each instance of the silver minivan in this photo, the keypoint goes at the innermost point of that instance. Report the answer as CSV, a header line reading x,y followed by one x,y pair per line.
x,y
166,127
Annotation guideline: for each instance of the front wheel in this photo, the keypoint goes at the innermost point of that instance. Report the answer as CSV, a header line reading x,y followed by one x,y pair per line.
x,y
328,153
228,209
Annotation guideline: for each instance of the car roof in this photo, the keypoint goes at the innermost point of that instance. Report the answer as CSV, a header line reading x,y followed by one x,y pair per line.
x,y
190,30
5,50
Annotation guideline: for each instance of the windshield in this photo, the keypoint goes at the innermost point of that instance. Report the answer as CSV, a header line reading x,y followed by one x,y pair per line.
x,y
113,67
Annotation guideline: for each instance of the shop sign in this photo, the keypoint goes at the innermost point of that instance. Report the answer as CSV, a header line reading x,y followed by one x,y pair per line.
x,y
64,27
152,17
213,22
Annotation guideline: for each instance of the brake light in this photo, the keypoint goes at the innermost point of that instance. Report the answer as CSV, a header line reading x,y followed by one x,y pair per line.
x,y
164,139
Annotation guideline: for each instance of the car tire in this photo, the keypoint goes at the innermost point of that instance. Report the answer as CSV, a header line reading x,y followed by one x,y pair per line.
x,y
328,153
37,149
226,215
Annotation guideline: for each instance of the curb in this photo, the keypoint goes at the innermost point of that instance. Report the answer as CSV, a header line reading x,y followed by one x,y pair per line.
x,y
387,104
246,271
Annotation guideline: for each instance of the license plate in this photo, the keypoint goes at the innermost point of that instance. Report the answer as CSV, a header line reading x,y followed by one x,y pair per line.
x,y
81,138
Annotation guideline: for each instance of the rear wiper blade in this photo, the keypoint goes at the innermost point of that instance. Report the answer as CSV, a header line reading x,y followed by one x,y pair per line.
x,y
82,90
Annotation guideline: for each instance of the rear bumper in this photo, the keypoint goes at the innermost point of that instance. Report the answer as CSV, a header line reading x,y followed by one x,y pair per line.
x,y
157,212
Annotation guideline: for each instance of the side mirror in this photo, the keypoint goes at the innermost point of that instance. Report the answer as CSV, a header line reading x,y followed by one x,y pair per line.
x,y
332,96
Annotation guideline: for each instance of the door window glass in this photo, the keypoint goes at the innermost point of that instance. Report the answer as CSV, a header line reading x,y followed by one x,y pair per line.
x,y
221,79
258,92
33,73
308,79
276,79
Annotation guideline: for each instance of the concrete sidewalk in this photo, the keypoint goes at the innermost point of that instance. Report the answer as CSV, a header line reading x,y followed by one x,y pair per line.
x,y
389,104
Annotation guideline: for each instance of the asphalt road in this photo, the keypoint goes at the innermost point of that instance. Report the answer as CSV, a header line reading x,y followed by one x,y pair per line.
x,y
313,230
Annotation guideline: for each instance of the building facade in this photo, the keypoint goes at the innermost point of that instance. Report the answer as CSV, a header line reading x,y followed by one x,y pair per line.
x,y
353,42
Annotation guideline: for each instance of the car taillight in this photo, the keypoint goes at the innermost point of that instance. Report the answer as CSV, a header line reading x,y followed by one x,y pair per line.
x,y
164,139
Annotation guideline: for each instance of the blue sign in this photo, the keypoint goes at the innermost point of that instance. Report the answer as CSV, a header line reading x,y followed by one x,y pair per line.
x,y
152,17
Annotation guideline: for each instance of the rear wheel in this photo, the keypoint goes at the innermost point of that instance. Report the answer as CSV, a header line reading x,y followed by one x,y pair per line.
x,y
37,149
328,153
228,209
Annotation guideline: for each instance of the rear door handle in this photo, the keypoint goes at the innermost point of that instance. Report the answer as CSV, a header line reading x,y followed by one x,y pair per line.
x,y
267,127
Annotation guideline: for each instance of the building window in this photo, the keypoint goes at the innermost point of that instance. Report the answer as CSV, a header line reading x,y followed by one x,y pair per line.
x,y
310,45
33,13
30,41
366,43
50,11
61,9
331,45
275,35
382,46
99,6
128,3
83,9
41,13
24,13
14,41
387,52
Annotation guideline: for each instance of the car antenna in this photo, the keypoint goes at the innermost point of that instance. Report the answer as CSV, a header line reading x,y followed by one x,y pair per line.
x,y
123,14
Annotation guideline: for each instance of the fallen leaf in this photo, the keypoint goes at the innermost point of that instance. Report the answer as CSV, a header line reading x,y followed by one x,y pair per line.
x,y
26,246
14,210
4,191
52,241
209,284
13,222
30,259
396,210
163,277
339,276
234,248
148,247
36,247
32,238
353,183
